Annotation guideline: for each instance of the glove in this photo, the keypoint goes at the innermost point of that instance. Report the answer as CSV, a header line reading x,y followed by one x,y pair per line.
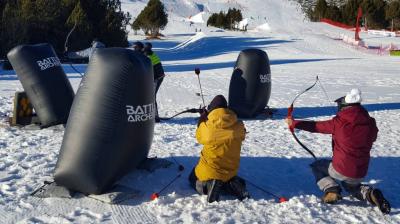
x,y
203,116
289,122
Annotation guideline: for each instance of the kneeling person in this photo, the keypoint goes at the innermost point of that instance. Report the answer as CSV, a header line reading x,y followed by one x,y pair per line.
x,y
222,134
353,134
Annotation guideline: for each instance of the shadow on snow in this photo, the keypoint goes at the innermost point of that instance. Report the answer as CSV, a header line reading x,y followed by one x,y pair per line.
x,y
81,68
231,64
287,177
214,46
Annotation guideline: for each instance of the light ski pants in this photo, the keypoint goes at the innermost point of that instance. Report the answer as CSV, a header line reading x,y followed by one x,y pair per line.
x,y
326,177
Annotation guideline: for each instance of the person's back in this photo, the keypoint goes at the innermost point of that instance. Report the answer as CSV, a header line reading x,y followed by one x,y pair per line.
x,y
222,134
353,133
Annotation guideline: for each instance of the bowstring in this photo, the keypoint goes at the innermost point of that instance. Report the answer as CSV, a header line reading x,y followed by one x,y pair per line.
x,y
326,94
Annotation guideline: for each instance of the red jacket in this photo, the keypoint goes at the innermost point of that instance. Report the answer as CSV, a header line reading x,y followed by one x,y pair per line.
x,y
353,133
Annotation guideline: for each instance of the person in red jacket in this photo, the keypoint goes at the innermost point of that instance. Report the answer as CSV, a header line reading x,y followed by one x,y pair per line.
x,y
353,133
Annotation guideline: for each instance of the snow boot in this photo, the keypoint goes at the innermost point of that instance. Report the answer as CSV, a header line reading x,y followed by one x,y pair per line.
x,y
214,188
237,187
376,197
332,195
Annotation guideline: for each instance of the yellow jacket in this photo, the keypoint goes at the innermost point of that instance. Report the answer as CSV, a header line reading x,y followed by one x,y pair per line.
x,y
222,135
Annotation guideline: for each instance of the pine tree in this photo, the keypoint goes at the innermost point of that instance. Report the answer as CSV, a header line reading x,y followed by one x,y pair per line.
x,y
333,13
103,20
152,18
31,22
320,10
374,12
349,11
135,26
392,14
2,5
225,21
13,29
233,17
212,19
220,21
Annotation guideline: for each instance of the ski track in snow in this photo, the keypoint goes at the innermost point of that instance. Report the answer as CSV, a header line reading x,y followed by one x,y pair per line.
x,y
298,52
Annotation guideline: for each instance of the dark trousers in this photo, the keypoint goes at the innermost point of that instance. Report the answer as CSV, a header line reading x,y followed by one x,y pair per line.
x,y
199,186
157,84
235,186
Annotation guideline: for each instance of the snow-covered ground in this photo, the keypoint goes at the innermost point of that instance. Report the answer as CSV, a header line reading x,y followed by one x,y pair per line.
x,y
298,52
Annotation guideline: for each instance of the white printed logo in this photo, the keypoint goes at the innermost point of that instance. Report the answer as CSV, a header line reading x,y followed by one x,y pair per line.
x,y
140,113
265,78
48,63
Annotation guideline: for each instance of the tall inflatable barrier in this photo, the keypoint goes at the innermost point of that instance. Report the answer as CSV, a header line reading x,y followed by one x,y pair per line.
x,y
250,86
44,81
110,128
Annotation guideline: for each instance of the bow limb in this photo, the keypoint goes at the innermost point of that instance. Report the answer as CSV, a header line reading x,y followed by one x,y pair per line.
x,y
302,145
291,128
69,34
310,87
290,116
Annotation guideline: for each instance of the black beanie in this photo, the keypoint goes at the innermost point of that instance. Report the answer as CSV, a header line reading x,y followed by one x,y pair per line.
x,y
219,101
139,45
148,45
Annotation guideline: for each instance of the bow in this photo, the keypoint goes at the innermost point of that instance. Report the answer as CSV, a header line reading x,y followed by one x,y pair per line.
x,y
193,110
290,116
66,48
67,38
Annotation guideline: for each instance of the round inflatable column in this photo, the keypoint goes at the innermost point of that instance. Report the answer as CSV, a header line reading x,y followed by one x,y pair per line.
x,y
250,86
44,81
110,128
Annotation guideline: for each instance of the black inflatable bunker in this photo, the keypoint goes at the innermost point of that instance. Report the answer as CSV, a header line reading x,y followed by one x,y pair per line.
x,y
44,81
110,128
250,86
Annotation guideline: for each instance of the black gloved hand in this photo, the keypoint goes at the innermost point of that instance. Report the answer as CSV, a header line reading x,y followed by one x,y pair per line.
x,y
203,116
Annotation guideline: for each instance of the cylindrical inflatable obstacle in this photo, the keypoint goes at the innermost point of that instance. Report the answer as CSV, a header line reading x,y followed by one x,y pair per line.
x,y
110,128
250,86
44,81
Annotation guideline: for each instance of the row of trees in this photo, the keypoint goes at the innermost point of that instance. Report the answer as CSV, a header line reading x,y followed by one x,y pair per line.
x,y
225,20
151,19
30,22
377,14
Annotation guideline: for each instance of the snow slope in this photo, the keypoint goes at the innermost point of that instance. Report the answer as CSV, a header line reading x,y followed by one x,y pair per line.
x,y
298,51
